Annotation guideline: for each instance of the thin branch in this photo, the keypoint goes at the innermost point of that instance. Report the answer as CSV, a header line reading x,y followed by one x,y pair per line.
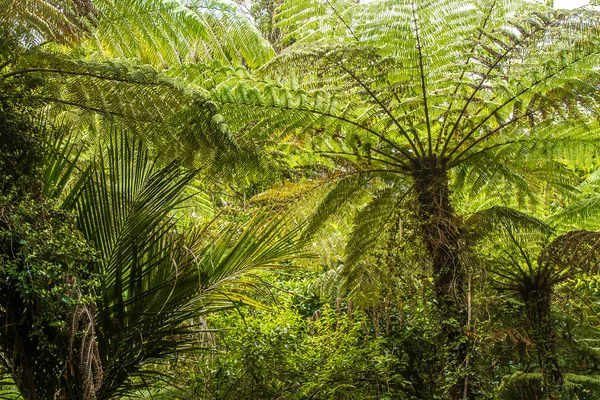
x,y
387,111
71,103
521,250
337,14
508,101
484,79
462,74
423,83
5,64
343,153
458,160
400,164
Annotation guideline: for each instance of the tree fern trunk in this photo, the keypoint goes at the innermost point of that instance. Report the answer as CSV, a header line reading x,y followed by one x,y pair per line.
x,y
441,231
537,308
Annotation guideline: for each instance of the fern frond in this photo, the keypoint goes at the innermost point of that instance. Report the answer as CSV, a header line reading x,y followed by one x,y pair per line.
x,y
584,212
344,190
37,21
570,253
289,191
171,33
370,222
97,96
517,222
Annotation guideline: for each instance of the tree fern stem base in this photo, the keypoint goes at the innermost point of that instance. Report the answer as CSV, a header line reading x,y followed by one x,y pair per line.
x,y
537,308
442,235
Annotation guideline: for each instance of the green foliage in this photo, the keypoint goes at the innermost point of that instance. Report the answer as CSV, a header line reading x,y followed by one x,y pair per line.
x,y
527,386
279,354
33,22
444,158
152,276
45,263
45,279
171,33
263,13
20,142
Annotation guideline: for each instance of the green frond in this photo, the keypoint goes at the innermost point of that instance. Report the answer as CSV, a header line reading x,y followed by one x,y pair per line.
x,y
570,253
152,277
504,218
370,222
584,212
278,109
8,390
33,22
171,33
115,89
64,151
510,242
571,142
592,383
311,21
542,168
98,96
288,191
343,191
265,242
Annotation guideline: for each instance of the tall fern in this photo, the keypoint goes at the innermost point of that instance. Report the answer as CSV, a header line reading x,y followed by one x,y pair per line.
x,y
491,95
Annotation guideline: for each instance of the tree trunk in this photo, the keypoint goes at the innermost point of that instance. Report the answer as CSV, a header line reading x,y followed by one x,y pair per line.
x,y
442,233
42,373
537,308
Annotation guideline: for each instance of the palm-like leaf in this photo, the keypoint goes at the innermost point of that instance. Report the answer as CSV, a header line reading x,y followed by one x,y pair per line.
x,y
153,278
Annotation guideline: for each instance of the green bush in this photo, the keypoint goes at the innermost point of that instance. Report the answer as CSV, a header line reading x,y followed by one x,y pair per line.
x,y
281,355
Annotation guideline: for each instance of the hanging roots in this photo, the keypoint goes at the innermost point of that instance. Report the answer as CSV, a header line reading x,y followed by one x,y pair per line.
x,y
84,358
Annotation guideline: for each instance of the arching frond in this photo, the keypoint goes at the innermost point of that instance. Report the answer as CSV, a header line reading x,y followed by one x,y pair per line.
x,y
371,221
504,218
37,21
97,96
153,278
61,164
582,212
343,191
573,252
171,33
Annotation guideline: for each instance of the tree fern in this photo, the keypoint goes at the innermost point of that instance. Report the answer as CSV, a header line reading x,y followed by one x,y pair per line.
x,y
434,91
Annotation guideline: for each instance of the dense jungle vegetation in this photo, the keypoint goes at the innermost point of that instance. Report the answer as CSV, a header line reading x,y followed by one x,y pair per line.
x,y
299,199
